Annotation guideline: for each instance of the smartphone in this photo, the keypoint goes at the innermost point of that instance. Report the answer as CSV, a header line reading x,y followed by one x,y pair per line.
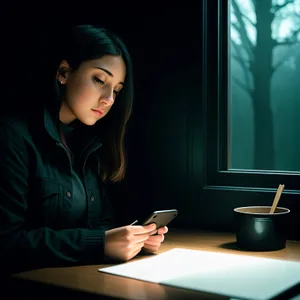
x,y
161,217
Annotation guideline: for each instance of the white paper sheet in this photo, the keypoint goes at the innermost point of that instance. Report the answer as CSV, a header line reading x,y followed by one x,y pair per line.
x,y
231,275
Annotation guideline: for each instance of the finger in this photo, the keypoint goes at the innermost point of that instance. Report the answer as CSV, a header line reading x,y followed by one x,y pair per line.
x,y
163,230
134,253
137,246
151,248
155,240
142,229
140,238
152,243
150,227
159,238
153,232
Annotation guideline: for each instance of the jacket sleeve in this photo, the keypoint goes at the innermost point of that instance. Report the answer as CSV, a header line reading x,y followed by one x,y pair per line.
x,y
22,248
108,212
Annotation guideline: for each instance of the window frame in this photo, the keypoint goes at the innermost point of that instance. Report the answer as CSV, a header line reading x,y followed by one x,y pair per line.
x,y
215,113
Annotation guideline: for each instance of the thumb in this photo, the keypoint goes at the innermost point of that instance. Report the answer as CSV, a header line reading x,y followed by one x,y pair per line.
x,y
150,227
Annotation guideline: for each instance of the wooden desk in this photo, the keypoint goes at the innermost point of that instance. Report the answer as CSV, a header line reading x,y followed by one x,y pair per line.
x,y
87,281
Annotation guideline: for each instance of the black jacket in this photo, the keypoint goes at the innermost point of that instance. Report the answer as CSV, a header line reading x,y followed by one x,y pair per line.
x,y
53,208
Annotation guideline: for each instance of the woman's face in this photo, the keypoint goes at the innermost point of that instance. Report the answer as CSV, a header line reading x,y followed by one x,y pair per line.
x,y
92,89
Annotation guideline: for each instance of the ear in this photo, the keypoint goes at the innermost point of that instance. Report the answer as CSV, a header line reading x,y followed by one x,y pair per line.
x,y
63,72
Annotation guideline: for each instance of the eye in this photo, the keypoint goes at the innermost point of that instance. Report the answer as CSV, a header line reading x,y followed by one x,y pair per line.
x,y
117,92
98,80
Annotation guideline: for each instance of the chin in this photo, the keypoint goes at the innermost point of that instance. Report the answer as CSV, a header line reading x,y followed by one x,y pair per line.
x,y
88,121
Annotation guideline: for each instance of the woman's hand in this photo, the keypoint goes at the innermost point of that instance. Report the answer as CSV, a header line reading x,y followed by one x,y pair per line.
x,y
123,243
154,241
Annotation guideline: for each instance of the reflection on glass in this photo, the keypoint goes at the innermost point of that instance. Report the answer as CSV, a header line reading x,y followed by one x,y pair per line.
x,y
264,85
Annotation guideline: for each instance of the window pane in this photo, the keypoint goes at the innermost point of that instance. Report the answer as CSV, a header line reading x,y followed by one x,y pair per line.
x,y
264,85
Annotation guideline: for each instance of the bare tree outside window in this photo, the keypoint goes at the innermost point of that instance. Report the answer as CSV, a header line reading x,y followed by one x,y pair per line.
x,y
264,84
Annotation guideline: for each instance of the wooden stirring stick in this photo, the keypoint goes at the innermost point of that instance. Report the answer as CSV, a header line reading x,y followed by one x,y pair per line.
x,y
277,197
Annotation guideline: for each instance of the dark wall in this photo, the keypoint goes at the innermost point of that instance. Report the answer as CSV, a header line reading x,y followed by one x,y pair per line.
x,y
166,134
165,44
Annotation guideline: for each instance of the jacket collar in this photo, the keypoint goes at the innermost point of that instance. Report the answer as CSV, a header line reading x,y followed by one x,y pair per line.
x,y
88,135
51,122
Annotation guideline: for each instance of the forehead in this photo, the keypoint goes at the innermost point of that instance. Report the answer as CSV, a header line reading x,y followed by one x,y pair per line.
x,y
114,64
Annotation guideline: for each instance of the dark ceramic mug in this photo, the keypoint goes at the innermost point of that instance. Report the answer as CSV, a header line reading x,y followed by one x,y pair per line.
x,y
258,230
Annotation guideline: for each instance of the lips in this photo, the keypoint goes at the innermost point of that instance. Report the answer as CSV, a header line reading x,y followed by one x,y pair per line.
x,y
98,111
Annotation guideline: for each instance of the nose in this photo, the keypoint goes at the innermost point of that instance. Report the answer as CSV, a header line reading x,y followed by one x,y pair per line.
x,y
107,98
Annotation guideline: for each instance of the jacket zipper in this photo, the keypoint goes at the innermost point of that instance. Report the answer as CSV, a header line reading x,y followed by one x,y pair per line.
x,y
87,156
67,152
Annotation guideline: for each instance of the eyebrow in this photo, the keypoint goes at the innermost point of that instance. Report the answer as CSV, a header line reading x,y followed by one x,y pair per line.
x,y
108,73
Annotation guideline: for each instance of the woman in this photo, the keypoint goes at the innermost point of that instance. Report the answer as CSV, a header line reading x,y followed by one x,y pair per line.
x,y
54,165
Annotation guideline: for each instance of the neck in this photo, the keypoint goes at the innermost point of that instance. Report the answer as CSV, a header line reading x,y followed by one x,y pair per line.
x,y
65,114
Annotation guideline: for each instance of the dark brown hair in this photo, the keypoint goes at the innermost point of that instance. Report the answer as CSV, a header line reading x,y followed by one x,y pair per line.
x,y
87,42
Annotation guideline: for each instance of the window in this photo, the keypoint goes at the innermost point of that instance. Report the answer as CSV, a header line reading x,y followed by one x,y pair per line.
x,y
252,93
264,89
